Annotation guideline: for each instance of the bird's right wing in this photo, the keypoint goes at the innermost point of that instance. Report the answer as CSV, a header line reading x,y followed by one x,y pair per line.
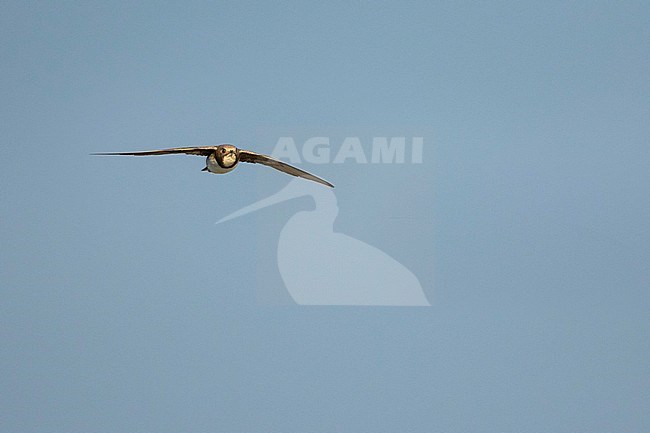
x,y
202,150
256,158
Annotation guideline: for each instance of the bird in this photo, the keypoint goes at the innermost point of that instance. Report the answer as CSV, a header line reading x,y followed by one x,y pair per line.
x,y
320,266
224,158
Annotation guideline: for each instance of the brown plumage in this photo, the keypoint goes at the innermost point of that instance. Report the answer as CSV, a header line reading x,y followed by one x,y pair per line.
x,y
223,158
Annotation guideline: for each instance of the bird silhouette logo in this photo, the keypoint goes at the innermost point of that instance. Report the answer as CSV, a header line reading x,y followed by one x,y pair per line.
x,y
322,267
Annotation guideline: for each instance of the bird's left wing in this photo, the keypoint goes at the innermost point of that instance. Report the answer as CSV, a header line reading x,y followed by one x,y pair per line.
x,y
256,158
203,150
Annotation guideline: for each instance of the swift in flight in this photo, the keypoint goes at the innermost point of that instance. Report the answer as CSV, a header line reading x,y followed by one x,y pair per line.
x,y
225,157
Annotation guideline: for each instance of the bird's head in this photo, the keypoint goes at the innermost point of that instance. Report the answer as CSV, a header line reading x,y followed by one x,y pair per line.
x,y
226,155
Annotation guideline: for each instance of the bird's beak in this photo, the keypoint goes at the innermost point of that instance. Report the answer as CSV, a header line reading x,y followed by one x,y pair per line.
x,y
204,169
295,188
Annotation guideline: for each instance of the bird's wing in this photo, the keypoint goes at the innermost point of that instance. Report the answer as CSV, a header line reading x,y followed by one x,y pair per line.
x,y
256,158
203,150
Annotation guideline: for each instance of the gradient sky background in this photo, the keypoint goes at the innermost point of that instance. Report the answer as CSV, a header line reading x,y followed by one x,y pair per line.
x,y
125,309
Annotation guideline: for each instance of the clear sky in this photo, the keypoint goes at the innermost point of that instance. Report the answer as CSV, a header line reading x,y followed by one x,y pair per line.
x,y
124,308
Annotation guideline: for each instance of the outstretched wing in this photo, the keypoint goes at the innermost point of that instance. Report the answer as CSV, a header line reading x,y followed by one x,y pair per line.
x,y
256,158
203,150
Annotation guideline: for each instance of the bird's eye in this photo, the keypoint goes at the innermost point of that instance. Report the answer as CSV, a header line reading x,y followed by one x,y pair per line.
x,y
223,150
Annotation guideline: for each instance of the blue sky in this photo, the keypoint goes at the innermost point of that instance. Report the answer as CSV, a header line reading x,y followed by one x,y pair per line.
x,y
125,308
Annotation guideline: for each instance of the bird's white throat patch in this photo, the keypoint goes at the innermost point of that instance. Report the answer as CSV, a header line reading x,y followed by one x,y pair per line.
x,y
214,167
